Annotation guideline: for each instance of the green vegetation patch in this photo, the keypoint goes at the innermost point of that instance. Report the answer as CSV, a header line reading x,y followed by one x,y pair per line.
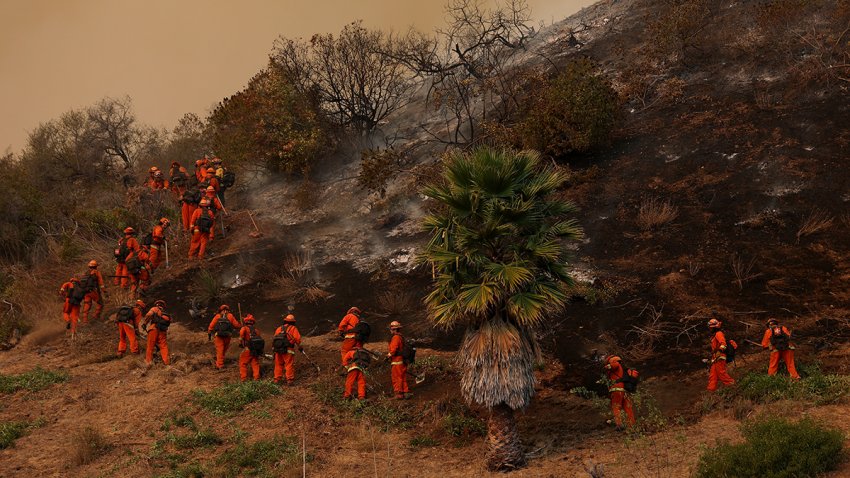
x,y
388,412
11,431
260,458
816,387
233,397
776,448
34,380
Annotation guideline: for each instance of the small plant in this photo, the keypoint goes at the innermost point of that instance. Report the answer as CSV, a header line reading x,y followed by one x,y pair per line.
x,y
89,445
11,431
207,287
463,425
192,470
33,381
199,439
654,212
232,397
179,419
261,457
817,387
815,222
377,167
743,269
776,448
397,303
420,441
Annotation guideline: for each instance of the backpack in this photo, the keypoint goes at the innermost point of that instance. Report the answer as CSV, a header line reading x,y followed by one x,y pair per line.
x,y
256,344
362,358
731,350
229,179
630,379
204,223
779,341
90,283
281,342
77,293
148,239
161,323
125,314
134,265
192,196
122,251
408,354
362,331
223,327
179,178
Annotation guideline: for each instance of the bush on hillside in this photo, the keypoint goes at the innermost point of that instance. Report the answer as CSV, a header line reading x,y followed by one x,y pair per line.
x,y
816,387
576,112
776,448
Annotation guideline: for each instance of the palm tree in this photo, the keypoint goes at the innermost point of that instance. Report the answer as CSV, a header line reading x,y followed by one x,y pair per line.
x,y
498,257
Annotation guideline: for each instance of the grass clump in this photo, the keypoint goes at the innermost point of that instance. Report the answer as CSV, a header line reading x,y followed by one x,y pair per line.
x,y
776,448
33,381
260,458
817,387
192,470
389,413
199,439
89,445
11,431
232,397
423,442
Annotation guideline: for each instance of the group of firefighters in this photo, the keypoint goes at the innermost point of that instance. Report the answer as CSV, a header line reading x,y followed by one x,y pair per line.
x,y
777,339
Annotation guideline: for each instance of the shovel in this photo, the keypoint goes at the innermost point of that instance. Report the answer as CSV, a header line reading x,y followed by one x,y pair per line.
x,y
318,369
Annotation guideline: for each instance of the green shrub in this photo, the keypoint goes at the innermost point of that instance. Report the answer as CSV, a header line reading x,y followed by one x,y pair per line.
x,y
198,439
34,380
816,387
377,167
233,397
576,112
179,419
775,448
463,425
423,442
192,470
390,413
11,431
259,458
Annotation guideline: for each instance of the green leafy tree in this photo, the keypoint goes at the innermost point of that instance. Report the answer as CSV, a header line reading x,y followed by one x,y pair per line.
x,y
498,256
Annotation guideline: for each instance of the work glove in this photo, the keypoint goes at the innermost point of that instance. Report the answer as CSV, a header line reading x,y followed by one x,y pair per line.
x,y
705,360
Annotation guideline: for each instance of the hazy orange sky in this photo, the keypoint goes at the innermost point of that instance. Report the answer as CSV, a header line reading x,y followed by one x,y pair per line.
x,y
170,56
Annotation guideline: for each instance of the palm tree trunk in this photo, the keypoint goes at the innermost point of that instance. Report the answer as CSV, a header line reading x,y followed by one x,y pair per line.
x,y
504,450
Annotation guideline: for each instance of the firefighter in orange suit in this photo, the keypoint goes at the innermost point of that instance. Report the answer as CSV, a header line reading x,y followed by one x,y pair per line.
x,y
719,344
222,333
346,330
127,328
777,339
356,375
248,357
158,242
95,295
399,368
156,322
620,400
126,248
286,360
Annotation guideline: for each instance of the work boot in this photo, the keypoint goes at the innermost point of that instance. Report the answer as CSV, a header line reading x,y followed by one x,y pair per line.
x,y
399,396
408,395
68,326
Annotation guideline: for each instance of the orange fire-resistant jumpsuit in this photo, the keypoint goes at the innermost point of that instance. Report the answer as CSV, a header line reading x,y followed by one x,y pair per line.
x,y
122,277
399,368
215,207
246,357
210,179
94,296
718,373
156,182
355,375
142,280
70,312
346,326
173,173
620,399
127,332
222,343
201,169
157,241
198,247
786,356
286,360
186,211
156,322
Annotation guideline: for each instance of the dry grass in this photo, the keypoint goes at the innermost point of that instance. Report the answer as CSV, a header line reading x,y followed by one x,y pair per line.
x,y
89,445
655,212
295,280
208,287
817,221
781,287
743,269
397,303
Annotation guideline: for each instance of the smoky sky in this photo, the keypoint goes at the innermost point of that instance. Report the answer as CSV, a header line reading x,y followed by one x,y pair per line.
x,y
170,56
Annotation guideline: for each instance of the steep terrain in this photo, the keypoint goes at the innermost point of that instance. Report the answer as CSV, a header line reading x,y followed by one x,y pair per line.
x,y
725,190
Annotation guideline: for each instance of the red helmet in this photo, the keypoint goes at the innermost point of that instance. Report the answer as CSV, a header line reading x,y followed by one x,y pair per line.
x,y
140,303
159,303
129,230
354,310
198,163
249,319
714,324
223,307
205,202
175,163
289,319
210,170
92,263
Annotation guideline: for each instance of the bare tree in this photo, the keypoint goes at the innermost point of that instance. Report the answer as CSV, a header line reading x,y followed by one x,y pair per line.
x,y
356,84
115,132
